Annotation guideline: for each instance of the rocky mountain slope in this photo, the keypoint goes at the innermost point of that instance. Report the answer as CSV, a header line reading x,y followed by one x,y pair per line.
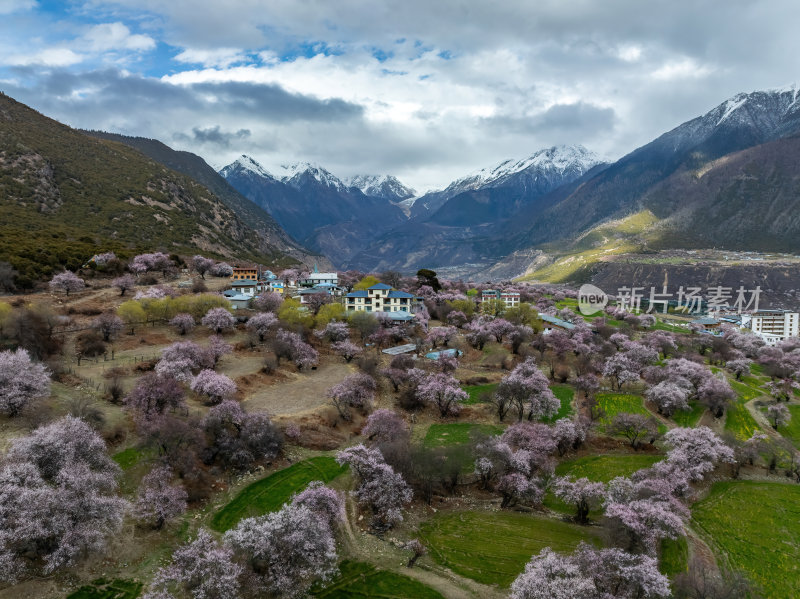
x,y
66,196
742,122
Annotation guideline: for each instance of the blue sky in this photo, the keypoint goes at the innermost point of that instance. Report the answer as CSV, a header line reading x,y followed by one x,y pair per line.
x,y
428,91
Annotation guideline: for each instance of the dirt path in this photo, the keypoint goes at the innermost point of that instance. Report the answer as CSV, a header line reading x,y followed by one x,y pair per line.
x,y
305,392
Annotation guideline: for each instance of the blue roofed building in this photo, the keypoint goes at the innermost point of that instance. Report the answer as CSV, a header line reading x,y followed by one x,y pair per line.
x,y
382,298
552,323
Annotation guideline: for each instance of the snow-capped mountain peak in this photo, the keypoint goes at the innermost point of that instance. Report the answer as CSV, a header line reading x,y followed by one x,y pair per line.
x,y
247,164
293,173
556,160
387,187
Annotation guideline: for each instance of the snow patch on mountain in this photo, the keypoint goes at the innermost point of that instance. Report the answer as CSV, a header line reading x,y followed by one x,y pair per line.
x,y
387,187
555,160
293,174
247,164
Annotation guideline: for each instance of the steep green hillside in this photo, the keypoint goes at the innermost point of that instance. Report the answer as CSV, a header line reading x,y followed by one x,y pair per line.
x,y
195,167
65,196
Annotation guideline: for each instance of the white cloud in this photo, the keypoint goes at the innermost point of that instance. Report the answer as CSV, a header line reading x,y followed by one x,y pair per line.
x,y
115,37
216,57
681,69
440,88
8,7
49,57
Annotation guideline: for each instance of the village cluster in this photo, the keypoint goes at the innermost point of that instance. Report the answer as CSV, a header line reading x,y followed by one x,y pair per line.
x,y
302,432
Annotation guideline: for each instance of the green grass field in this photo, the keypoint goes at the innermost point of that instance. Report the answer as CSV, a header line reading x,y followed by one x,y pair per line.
x,y
755,527
493,548
792,429
475,392
739,420
618,403
674,556
598,468
565,394
602,468
364,581
108,589
691,417
744,391
453,433
270,493
130,457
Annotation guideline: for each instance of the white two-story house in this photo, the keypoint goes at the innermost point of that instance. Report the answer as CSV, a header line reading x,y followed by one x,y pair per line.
x,y
382,298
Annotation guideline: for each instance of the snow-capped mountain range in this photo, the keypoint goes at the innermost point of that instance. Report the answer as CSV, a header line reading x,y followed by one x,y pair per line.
x,y
387,187
543,169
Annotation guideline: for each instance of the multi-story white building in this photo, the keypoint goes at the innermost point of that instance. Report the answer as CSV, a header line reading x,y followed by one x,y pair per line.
x,y
773,326
381,298
509,298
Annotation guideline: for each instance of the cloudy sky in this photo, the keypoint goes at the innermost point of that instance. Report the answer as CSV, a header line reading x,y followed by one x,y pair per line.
x,y
426,90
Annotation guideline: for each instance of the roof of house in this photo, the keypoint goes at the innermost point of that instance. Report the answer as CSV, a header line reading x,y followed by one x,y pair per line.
x,y
381,286
705,321
239,297
313,290
357,294
400,349
557,321
434,355
244,283
401,294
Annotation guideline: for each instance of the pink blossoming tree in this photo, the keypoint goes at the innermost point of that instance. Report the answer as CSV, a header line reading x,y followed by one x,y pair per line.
x,y
21,381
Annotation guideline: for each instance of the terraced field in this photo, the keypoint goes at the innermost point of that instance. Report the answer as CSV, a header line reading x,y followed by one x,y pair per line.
x,y
755,528
358,580
598,468
108,589
270,493
454,433
493,547
691,417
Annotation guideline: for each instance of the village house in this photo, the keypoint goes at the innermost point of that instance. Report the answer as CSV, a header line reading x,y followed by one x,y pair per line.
x,y
326,288
774,326
509,298
551,323
249,273
382,298
319,278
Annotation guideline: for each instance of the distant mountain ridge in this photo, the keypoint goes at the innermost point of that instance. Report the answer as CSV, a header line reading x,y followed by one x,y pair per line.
x,y
387,187
547,168
727,178
467,222
315,206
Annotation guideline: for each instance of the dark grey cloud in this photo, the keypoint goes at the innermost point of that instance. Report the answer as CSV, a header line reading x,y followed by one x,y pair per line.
x,y
109,93
568,122
213,136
